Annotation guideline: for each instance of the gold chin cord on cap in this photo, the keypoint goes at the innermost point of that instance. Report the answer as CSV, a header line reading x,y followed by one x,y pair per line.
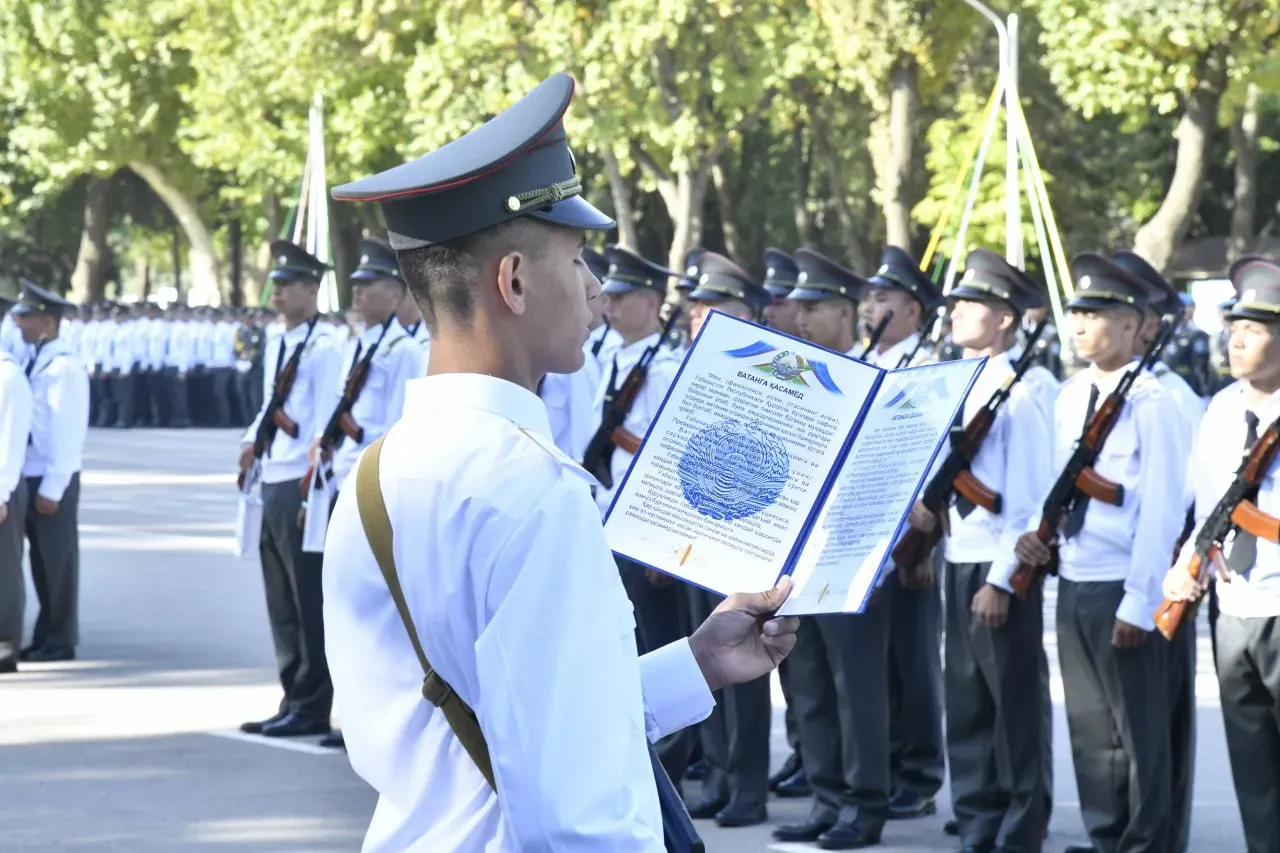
x,y
534,199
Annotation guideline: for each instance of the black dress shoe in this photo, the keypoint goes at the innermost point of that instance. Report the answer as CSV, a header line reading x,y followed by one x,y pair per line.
x,y
256,727
788,769
333,740
906,804
849,836
698,770
8,665
293,725
706,808
951,827
47,654
810,830
1080,848
797,785
741,814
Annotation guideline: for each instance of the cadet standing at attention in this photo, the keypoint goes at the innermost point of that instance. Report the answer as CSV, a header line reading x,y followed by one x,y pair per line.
x,y
839,671
51,471
471,550
15,429
735,738
306,358
1112,559
915,638
1248,624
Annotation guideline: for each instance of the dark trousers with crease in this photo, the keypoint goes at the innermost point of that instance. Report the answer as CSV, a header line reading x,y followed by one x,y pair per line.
x,y
916,758
220,379
55,566
735,738
295,604
995,719
1118,719
839,680
1182,732
13,591
124,390
179,411
793,728
1249,683
662,617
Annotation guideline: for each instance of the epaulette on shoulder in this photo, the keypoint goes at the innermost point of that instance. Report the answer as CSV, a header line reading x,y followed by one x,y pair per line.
x,y
561,458
394,341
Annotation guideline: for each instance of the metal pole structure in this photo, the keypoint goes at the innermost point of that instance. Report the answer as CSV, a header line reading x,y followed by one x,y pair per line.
x,y
1013,197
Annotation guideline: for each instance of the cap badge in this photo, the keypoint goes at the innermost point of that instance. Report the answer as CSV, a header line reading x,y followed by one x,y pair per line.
x,y
513,204
1249,296
283,259
1085,282
970,275
691,271
802,278
364,259
884,268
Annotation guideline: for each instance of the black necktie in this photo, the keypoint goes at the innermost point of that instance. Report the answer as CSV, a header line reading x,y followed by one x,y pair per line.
x,y
1075,519
35,356
1244,551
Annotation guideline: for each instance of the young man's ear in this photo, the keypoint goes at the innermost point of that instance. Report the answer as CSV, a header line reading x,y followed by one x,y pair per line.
x,y
510,286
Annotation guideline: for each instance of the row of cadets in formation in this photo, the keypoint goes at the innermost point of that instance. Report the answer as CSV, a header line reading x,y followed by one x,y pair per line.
x,y
391,349
44,412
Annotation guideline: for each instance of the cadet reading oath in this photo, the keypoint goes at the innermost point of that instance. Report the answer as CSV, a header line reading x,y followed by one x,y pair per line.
x,y
471,543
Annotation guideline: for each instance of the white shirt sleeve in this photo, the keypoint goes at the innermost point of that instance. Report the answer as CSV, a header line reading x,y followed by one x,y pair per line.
x,y
406,360
69,426
564,688
15,426
1028,476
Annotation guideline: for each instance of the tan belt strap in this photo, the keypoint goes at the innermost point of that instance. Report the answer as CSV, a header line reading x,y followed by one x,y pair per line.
x,y
377,528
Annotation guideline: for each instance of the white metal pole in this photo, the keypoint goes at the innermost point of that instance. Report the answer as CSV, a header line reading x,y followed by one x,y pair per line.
x,y
1013,198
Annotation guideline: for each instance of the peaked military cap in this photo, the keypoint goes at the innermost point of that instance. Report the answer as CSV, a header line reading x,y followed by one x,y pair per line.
x,y
1257,283
290,262
628,271
989,277
596,262
1165,298
899,271
34,299
781,273
689,280
377,261
720,279
1102,283
820,278
516,164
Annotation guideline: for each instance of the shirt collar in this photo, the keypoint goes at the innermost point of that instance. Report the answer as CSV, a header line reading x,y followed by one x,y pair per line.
x,y
1107,384
1267,411
452,391
639,346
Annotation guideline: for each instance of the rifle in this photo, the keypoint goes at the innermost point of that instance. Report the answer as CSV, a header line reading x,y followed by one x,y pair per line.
x,y
595,348
955,477
876,334
1079,479
617,405
923,339
1236,510
273,417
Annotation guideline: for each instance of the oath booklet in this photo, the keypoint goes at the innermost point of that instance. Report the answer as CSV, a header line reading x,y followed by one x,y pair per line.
x,y
772,456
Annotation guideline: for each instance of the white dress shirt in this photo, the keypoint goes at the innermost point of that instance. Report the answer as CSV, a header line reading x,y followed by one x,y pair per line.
x,y
60,418
1190,404
1218,452
88,347
180,351
515,595
571,405
381,401
16,409
309,402
158,343
888,360
657,382
11,337
223,345
121,358
1132,542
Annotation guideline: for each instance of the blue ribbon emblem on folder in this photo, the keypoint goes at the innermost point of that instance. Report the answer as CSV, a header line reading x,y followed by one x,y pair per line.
x,y
787,366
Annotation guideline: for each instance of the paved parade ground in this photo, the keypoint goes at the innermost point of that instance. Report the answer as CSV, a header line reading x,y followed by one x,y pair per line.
x,y
134,747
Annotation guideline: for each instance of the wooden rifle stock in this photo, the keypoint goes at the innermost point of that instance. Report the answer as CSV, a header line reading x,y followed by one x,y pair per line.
x,y
625,439
1170,615
1026,575
1098,487
977,493
1254,521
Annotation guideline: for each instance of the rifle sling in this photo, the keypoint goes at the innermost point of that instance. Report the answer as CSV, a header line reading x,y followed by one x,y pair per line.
x,y
377,529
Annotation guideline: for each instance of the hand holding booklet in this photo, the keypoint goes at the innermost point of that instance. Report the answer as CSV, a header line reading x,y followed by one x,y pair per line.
x,y
773,456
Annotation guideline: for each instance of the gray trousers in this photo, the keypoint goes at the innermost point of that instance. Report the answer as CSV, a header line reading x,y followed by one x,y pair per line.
x,y
735,738
995,717
295,604
13,590
1249,680
839,682
915,687
1118,720
55,566
1182,733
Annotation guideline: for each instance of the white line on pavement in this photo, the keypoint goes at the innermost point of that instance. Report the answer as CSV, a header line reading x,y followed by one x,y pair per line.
x,y
290,744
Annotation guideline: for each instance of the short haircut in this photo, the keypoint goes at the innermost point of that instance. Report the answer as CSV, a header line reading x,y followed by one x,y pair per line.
x,y
442,278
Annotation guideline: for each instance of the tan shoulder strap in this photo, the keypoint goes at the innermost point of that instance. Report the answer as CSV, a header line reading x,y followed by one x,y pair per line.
x,y
377,528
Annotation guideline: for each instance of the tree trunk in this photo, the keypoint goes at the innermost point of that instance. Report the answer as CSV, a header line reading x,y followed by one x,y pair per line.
x,y
206,280
1244,144
689,194
235,262
142,268
88,280
1157,239
733,237
892,141
175,256
628,237
800,199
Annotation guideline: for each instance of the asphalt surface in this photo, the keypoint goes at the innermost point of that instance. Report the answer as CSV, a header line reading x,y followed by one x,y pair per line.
x,y
133,747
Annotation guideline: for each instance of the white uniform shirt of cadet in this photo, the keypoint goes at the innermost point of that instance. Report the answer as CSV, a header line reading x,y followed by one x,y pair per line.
x,y
888,360
381,402
662,372
1014,461
103,345
422,337
181,349
205,343
1190,404
1144,454
122,347
11,337
88,349
142,342
517,601
308,404
571,407
16,411
60,418
1212,467
72,331
158,343
223,345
